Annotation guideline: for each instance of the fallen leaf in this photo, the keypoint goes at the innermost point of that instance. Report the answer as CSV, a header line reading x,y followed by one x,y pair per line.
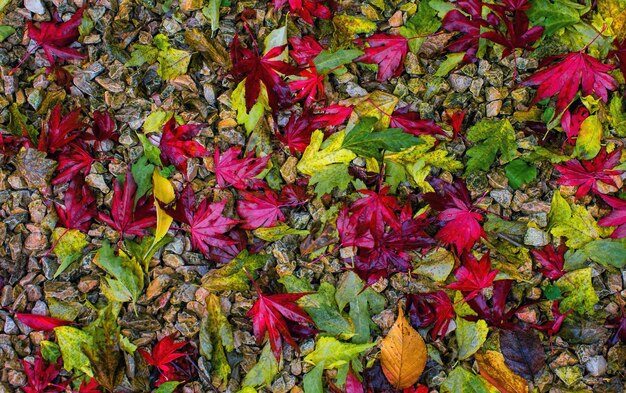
x,y
492,367
523,353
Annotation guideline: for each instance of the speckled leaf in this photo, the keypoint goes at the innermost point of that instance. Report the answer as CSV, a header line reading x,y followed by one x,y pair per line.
x,y
71,342
578,291
460,380
68,248
264,371
318,156
589,139
490,138
470,336
278,232
232,275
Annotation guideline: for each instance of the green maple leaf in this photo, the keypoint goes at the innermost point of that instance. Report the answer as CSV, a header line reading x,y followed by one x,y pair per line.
x,y
364,141
490,137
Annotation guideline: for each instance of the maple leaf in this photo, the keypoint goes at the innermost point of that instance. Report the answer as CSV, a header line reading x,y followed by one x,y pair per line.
x,y
270,314
164,356
41,376
305,9
40,322
496,315
72,160
206,224
299,128
571,122
616,218
456,122
259,70
553,326
411,123
304,50
517,34
239,173
56,37
89,387
127,217
386,50
587,174
177,145
377,209
259,209
461,224
620,53
309,87
468,25
552,260
573,71
79,206
473,276
104,127
431,309
59,131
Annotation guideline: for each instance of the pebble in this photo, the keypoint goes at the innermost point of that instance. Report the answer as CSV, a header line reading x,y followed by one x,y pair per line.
x,y
9,326
503,197
596,366
493,108
97,181
460,83
536,237
288,170
35,6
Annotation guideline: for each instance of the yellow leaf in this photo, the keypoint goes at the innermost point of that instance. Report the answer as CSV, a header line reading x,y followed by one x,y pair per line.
x,y
403,354
164,192
315,158
492,367
377,104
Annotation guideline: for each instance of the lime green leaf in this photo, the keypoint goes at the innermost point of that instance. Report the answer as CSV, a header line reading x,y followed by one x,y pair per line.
x,y
6,32
578,291
156,120
363,141
589,139
167,387
49,351
441,6
470,336
331,177
145,250
232,275
462,381
490,137
316,157
335,353
276,38
238,102
618,116
152,153
328,60
172,62
278,232
607,252
141,55
126,272
352,25
71,343
420,25
68,248
264,371
451,62
519,172
461,308
554,14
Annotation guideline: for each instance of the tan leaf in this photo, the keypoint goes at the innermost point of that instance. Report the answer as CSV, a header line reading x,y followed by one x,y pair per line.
x,y
402,354
492,367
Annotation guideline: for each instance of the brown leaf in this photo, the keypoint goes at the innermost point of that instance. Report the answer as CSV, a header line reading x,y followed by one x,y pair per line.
x,y
523,353
493,368
403,354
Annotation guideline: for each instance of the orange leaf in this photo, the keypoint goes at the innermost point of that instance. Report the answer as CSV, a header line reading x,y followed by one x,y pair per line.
x,y
403,354
492,367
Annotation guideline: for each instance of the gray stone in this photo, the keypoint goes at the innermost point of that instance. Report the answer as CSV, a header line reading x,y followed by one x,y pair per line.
x,y
460,83
97,181
596,366
9,326
536,237
503,197
35,6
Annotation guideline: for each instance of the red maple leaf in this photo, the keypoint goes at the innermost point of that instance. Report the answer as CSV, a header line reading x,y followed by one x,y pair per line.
x,y
11,144
305,9
497,314
468,25
59,131
91,387
79,206
573,71
259,209
571,121
586,174
270,314
248,64
376,209
353,384
411,123
298,130
304,50
127,217
104,127
41,322
164,356
177,145
309,86
72,160
553,326
207,225
386,50
620,53
239,173
41,376
516,33
616,218
431,309
456,122
55,38
473,276
461,224
552,260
